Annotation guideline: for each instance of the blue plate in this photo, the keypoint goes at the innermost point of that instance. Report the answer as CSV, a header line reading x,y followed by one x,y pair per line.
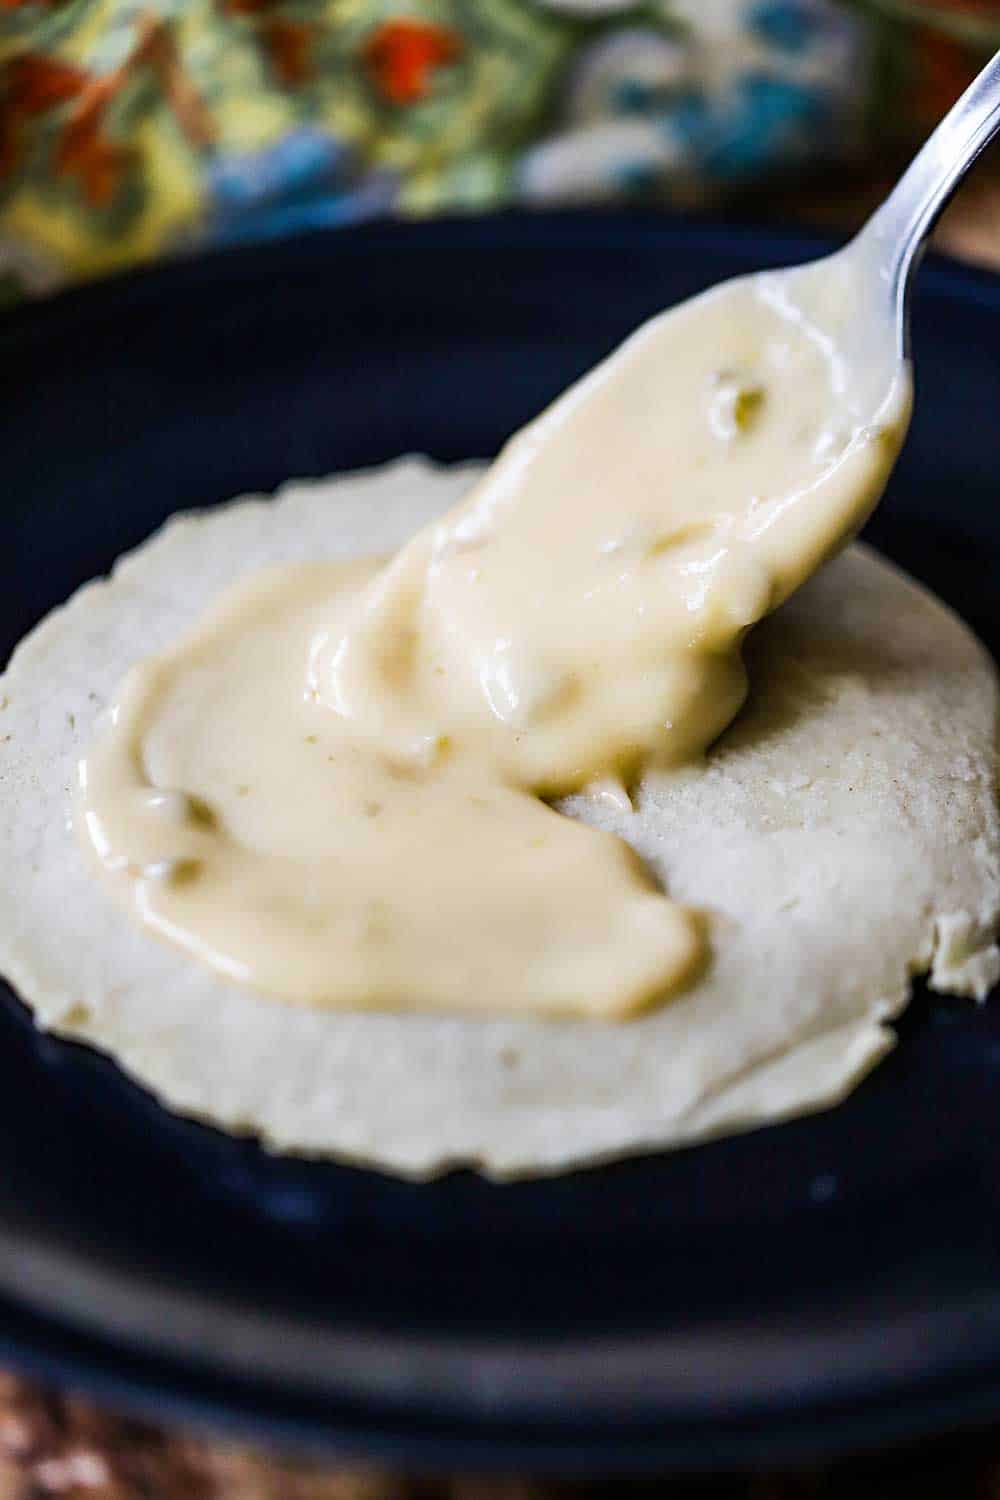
x,y
821,1285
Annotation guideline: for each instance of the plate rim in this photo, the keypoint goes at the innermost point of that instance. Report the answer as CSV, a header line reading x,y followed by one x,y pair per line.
x,y
36,1285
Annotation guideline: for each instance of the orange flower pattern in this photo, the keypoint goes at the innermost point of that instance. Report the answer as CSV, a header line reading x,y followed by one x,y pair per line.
x,y
401,57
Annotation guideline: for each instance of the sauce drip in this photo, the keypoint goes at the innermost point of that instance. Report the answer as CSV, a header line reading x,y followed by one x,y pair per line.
x,y
332,790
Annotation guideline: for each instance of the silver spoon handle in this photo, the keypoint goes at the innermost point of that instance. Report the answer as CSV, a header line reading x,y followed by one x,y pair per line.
x,y
898,232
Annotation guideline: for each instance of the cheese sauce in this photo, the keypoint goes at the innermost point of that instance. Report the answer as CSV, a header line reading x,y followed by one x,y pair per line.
x,y
332,791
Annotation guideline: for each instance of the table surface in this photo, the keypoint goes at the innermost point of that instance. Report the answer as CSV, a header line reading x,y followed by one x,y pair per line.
x,y
52,1444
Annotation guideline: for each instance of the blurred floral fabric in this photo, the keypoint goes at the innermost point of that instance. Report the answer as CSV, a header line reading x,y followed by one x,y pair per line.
x,y
132,128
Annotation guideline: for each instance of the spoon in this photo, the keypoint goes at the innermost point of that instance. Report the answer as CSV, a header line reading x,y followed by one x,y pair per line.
x,y
891,244
869,316
677,493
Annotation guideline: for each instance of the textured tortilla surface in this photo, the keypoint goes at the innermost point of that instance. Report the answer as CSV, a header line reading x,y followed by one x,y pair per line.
x,y
842,836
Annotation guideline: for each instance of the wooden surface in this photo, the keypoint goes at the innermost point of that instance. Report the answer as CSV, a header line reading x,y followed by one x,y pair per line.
x,y
54,1445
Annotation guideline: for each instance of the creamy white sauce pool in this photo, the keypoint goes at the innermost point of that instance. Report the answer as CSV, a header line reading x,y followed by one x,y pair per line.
x,y
332,790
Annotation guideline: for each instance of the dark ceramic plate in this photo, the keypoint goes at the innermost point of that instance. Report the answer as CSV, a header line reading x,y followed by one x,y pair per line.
x,y
812,1287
